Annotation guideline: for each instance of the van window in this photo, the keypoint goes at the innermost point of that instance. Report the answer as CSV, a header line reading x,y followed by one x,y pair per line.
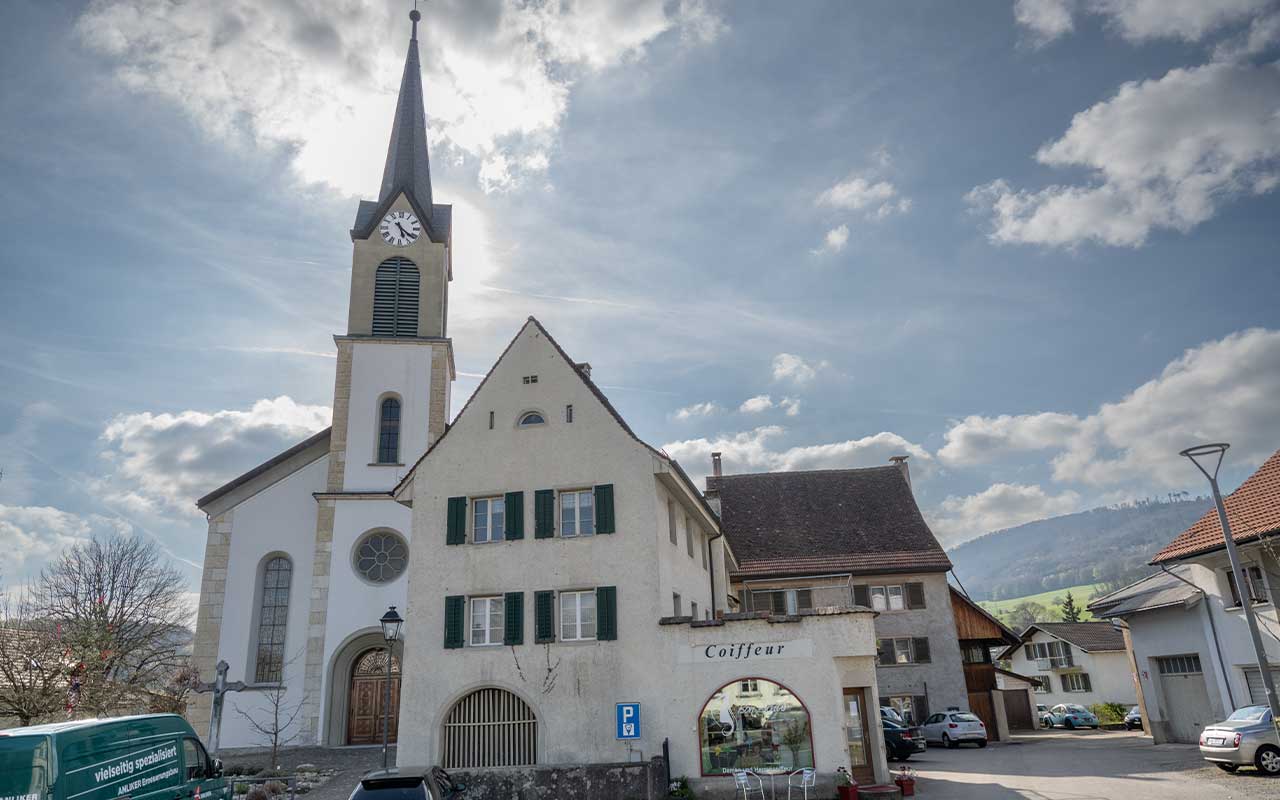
x,y
194,758
24,765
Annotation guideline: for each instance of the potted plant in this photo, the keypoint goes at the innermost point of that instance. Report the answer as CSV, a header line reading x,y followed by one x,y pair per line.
x,y
846,786
906,781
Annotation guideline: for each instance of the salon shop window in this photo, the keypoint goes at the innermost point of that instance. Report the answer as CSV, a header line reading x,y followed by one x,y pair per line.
x,y
754,723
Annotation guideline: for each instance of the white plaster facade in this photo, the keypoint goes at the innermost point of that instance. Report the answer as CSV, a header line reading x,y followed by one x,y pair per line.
x,y
572,686
1110,677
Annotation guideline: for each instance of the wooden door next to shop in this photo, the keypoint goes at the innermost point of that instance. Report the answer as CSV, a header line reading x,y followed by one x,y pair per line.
x,y
857,736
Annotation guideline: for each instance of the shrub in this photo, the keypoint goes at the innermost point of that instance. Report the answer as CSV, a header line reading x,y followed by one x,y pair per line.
x,y
256,792
1109,713
680,788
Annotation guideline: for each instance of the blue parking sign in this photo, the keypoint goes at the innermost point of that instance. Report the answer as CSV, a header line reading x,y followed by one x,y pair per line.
x,y
628,719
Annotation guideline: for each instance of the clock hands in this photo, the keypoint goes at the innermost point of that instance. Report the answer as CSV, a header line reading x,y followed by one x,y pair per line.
x,y
403,232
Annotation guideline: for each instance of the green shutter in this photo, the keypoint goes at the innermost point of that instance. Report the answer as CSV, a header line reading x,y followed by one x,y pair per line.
x,y
454,609
514,509
604,508
513,618
544,617
606,613
457,528
544,514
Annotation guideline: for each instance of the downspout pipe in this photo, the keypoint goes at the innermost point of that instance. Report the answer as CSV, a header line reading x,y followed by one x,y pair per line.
x,y
712,572
1217,646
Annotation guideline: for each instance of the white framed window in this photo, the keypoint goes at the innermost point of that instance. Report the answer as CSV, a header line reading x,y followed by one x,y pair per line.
x,y
1049,655
486,621
1042,684
749,686
782,601
577,514
488,519
1257,586
1075,682
577,616
532,418
902,651
888,598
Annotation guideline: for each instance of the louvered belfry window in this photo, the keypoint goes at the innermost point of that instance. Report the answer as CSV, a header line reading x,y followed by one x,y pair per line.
x,y
395,298
490,728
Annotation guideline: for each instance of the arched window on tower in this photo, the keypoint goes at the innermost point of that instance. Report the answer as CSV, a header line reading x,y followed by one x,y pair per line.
x,y
395,298
389,431
273,612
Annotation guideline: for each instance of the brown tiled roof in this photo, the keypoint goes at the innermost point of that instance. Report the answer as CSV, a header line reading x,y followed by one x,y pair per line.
x,y
1088,636
841,520
1253,511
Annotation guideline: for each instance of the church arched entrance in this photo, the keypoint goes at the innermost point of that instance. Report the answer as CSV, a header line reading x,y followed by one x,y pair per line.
x,y
367,697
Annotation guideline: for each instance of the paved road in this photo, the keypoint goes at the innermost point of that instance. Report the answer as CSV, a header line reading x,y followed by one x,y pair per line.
x,y
1081,765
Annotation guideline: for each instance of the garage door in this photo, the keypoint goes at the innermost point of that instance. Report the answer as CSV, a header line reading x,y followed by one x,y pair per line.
x,y
1253,679
1185,695
1017,710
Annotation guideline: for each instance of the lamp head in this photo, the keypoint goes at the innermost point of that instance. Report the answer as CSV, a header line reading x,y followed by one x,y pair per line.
x,y
1208,453
391,622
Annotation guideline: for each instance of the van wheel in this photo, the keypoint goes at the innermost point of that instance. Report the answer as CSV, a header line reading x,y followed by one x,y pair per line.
x,y
1267,760
1227,767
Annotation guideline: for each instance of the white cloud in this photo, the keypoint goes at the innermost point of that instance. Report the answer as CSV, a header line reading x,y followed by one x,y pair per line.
x,y
1263,33
835,241
1223,390
1000,506
791,405
977,439
1047,19
321,80
757,404
1164,153
753,451
877,199
787,366
706,409
1138,20
161,463
31,535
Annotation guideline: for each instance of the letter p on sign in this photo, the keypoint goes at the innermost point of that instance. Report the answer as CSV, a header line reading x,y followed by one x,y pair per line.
x,y
628,721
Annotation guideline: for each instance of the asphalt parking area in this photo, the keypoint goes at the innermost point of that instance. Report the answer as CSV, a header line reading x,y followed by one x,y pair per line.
x,y
1080,765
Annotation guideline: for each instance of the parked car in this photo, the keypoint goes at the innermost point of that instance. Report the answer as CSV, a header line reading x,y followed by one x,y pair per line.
x,y
902,741
952,728
407,783
1042,711
151,755
1245,737
1133,719
890,713
1069,716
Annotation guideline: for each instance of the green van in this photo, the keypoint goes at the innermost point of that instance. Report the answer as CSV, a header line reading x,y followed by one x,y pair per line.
x,y
149,757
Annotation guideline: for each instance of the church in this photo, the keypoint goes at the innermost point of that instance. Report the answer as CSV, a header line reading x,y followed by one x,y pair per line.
x,y
552,567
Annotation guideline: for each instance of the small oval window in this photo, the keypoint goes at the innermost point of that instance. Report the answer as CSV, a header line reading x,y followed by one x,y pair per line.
x,y
532,418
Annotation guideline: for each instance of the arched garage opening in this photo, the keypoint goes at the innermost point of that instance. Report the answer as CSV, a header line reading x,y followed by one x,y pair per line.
x,y
490,728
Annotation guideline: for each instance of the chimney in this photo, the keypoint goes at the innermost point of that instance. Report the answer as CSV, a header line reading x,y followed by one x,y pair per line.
x,y
901,461
585,368
715,464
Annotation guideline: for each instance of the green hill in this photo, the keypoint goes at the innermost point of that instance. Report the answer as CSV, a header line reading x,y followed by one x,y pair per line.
x,y
1051,599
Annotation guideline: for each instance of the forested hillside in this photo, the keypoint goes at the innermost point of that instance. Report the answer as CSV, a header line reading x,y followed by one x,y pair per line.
x,y
1109,545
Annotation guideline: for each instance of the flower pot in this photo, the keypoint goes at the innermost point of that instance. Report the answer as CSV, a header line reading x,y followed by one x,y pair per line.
x,y
847,792
907,785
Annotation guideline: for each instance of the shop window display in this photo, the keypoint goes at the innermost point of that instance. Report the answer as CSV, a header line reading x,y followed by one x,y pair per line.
x,y
753,723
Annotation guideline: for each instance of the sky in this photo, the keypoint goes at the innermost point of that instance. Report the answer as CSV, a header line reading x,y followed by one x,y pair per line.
x,y
1030,244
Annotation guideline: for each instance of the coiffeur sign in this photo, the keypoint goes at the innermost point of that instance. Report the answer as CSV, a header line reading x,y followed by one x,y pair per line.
x,y
740,652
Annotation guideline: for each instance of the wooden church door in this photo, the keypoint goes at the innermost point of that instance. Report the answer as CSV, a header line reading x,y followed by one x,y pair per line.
x,y
368,693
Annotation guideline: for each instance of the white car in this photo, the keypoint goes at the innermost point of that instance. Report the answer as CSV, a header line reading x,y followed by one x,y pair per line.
x,y
953,728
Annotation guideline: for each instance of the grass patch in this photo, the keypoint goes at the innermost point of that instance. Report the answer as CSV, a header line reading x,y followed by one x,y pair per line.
x,y
1050,599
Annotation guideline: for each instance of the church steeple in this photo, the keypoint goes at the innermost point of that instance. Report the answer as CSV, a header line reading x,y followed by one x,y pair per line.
x,y
408,169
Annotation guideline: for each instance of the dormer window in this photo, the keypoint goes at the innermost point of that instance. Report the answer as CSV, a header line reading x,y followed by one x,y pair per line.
x,y
532,418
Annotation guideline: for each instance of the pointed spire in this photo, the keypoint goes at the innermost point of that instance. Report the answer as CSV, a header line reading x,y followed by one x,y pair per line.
x,y
407,167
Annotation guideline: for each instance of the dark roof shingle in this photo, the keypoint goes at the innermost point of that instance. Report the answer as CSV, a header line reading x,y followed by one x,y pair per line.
x,y
1088,636
1253,510
845,520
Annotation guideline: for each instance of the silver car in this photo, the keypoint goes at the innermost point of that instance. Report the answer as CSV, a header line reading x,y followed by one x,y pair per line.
x,y
1245,737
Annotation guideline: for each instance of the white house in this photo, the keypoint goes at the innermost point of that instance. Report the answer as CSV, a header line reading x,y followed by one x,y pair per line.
x,y
1186,623
306,551
1075,662
563,566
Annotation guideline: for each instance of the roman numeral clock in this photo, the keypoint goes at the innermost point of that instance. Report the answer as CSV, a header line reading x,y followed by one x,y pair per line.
x,y
400,228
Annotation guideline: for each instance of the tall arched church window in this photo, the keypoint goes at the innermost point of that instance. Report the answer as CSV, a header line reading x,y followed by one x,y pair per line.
x,y
389,431
395,298
273,613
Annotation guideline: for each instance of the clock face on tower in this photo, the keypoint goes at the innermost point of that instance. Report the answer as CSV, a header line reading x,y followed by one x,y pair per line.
x,y
400,228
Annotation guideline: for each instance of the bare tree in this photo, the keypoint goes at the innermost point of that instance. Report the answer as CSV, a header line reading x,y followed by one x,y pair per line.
x,y
117,605
276,725
173,696
34,674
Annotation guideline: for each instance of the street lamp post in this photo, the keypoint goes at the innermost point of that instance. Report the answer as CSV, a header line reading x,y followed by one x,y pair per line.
x,y
1243,587
391,623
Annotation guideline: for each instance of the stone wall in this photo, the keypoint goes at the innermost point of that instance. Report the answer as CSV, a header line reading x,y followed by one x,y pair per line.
x,y
634,781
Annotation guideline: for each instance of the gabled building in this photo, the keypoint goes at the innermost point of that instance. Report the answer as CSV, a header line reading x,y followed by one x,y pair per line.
x,y
563,566
1075,662
1186,623
1002,710
849,537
